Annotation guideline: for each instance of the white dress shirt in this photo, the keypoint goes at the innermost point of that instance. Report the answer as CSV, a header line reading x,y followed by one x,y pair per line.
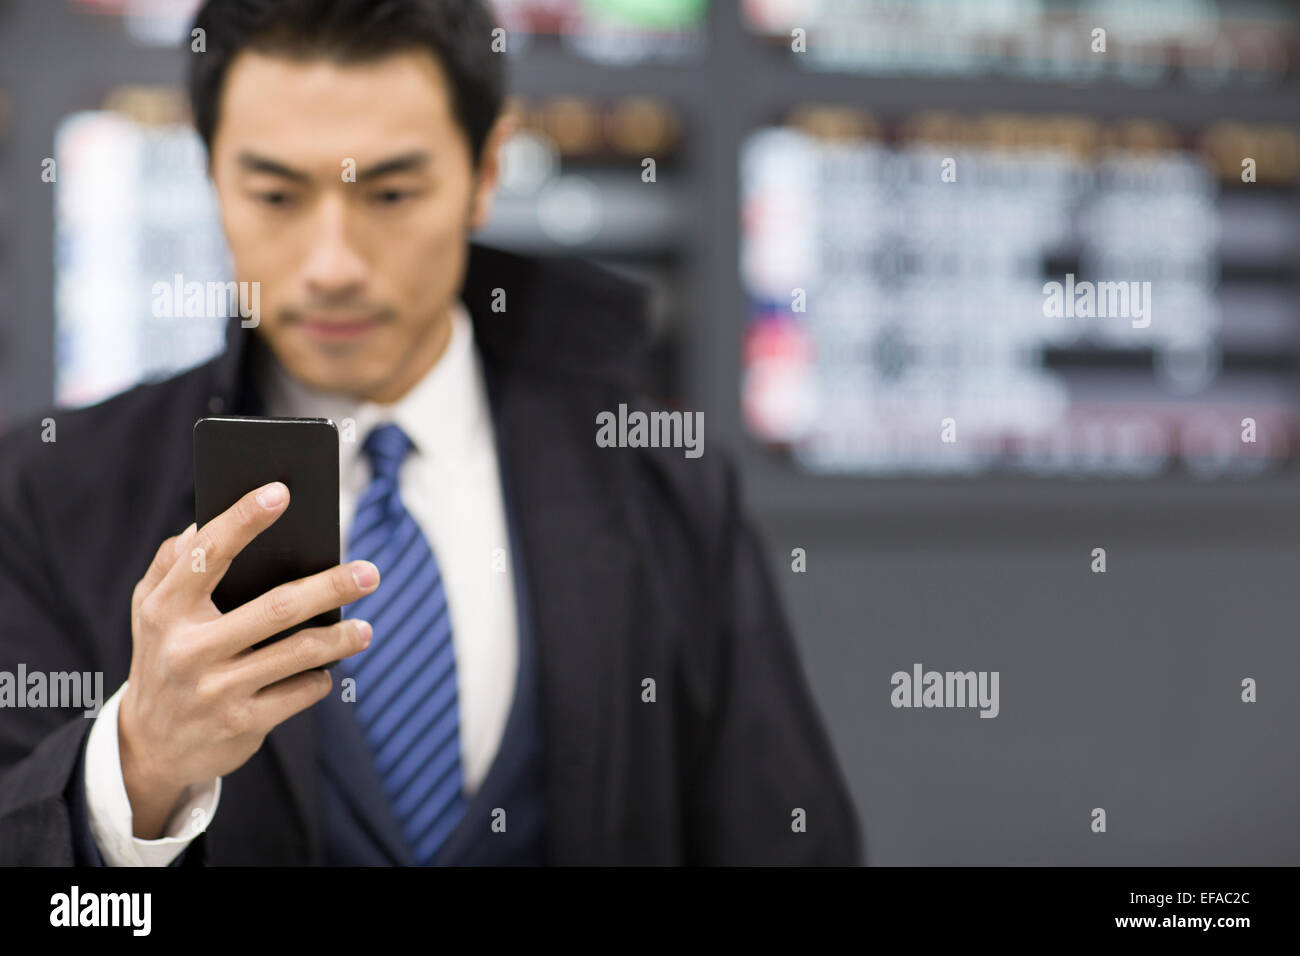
x,y
451,486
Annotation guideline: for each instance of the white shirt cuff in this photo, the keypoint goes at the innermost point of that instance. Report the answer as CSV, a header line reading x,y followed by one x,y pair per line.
x,y
111,820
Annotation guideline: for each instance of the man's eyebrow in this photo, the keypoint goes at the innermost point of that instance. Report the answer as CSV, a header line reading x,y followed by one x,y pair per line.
x,y
261,164
407,162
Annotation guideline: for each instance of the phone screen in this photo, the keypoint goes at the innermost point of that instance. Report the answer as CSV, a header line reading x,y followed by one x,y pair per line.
x,y
235,455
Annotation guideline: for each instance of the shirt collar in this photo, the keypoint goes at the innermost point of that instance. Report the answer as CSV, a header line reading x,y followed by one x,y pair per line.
x,y
440,414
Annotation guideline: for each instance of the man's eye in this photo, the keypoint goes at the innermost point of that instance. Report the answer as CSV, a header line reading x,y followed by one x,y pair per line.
x,y
391,197
275,198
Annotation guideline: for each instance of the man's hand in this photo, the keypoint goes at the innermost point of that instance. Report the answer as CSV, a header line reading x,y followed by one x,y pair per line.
x,y
199,700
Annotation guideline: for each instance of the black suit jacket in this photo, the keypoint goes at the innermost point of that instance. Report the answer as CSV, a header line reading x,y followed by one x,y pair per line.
x,y
639,561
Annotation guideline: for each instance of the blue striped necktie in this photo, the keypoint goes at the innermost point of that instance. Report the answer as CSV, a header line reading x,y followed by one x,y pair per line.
x,y
406,696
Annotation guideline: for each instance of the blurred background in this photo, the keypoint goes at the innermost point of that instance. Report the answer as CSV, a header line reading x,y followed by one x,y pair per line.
x,y
828,301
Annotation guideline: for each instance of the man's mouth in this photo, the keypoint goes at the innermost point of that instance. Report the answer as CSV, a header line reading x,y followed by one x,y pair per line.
x,y
338,329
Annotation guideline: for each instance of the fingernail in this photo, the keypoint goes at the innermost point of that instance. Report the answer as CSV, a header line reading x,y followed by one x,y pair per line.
x,y
179,545
365,574
271,495
366,632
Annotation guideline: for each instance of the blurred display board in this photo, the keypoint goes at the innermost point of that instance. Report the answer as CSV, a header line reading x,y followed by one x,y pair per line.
x,y
1038,294
606,31
133,208
614,32
1199,42
158,23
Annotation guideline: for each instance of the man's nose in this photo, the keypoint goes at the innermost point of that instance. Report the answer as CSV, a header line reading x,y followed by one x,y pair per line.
x,y
334,267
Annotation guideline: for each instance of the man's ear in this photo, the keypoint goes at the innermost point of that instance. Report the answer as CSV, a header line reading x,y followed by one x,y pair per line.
x,y
489,171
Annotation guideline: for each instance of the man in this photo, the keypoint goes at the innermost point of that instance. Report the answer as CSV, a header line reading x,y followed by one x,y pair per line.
x,y
579,656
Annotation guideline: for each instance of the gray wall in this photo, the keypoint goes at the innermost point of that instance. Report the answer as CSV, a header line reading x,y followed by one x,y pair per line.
x,y
1118,690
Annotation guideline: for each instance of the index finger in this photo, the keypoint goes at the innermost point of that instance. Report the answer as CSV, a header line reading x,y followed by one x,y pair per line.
x,y
168,553
221,539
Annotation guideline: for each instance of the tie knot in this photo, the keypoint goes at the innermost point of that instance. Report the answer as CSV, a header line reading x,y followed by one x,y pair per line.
x,y
386,446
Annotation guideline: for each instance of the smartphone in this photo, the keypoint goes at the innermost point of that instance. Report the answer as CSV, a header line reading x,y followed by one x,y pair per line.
x,y
235,455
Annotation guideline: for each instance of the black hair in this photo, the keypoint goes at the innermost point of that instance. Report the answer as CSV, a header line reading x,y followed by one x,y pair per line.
x,y
457,32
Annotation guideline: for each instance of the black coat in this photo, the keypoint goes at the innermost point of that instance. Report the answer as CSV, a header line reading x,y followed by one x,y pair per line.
x,y
640,564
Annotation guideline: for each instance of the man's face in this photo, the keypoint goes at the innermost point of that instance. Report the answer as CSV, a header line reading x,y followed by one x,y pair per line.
x,y
356,276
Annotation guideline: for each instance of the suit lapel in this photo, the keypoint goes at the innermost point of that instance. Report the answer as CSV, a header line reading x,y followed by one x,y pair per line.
x,y
345,757
553,335
293,744
579,571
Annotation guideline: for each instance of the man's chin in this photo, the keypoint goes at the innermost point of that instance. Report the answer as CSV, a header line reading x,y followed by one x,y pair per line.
x,y
340,379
